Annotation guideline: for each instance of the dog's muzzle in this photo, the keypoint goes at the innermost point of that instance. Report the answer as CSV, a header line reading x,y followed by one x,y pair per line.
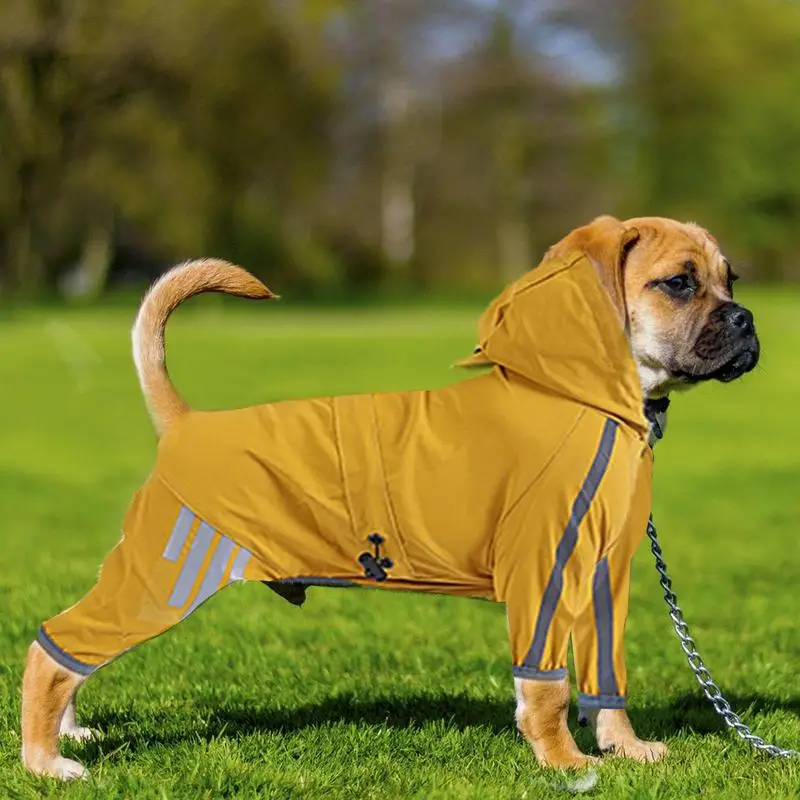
x,y
741,328
728,344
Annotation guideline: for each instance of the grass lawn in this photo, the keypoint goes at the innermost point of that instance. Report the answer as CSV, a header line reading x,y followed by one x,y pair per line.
x,y
369,693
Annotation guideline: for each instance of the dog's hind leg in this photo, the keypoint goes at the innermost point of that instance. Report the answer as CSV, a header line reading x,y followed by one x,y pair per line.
x,y
167,564
47,689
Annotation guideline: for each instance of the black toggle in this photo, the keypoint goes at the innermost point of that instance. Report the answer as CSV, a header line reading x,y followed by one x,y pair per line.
x,y
374,566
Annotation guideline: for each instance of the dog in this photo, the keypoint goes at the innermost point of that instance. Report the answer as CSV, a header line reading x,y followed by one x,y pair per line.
x,y
528,484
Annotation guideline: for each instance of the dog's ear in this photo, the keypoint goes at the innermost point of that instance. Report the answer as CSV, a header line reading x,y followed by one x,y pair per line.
x,y
607,242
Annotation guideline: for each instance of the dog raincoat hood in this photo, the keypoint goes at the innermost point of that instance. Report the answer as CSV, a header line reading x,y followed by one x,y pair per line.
x,y
557,327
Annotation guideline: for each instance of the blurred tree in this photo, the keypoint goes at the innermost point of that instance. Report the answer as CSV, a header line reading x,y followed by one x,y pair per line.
x,y
419,142
703,101
32,64
184,118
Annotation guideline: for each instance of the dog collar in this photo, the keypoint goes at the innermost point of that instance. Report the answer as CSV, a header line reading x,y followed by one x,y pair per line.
x,y
656,413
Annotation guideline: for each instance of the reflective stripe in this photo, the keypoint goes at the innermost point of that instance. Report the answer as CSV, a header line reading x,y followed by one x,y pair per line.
x,y
179,533
191,566
601,701
531,673
239,563
604,624
580,507
214,573
60,656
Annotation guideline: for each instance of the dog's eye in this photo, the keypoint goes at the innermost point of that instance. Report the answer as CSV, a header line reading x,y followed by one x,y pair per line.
x,y
732,278
677,285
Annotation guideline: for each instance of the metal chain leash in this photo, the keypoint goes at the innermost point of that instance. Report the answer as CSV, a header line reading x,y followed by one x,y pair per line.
x,y
656,413
707,684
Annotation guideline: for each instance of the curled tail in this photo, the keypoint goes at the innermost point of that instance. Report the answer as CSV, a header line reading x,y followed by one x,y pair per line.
x,y
164,403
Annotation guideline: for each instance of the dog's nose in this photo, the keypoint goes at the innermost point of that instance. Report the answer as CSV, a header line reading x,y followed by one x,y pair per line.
x,y
741,320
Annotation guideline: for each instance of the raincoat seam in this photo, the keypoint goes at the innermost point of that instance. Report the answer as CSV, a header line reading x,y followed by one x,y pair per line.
x,y
543,471
563,267
343,468
533,483
387,495
601,332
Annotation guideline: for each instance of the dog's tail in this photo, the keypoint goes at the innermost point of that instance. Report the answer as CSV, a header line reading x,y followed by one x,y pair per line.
x,y
164,403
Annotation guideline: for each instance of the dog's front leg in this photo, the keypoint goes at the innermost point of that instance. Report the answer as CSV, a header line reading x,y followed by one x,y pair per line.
x,y
598,637
542,707
598,647
69,723
47,689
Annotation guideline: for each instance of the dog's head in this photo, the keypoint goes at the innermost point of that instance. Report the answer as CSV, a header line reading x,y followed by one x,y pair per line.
x,y
673,290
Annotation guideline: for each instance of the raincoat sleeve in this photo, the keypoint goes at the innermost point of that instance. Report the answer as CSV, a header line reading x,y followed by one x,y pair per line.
x,y
598,633
545,549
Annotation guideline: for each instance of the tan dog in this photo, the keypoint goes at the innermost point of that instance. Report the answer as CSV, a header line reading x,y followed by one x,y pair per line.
x,y
671,289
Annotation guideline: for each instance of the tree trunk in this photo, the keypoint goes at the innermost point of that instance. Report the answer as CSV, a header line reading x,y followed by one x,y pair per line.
x,y
24,260
89,278
513,246
397,178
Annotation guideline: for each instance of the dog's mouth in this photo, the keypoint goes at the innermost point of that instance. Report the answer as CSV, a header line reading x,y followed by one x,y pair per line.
x,y
739,365
742,362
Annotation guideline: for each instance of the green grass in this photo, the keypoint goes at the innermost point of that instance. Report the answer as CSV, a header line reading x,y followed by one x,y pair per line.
x,y
369,693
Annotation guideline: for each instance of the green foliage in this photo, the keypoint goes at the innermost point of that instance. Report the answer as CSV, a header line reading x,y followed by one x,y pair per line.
x,y
437,143
370,693
712,84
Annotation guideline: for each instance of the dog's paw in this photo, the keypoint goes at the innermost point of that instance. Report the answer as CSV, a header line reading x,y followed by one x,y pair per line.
x,y
64,769
573,760
637,750
79,734
67,770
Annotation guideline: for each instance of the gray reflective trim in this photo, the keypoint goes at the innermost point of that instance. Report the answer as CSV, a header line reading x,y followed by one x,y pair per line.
x,y
239,563
602,701
191,566
179,533
552,592
604,625
317,581
531,673
61,657
214,573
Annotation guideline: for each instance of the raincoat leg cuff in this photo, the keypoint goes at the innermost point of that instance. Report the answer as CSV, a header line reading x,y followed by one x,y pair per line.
x,y
601,701
536,674
61,657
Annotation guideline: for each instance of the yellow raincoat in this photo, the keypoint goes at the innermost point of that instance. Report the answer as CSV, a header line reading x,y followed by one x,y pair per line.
x,y
528,485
